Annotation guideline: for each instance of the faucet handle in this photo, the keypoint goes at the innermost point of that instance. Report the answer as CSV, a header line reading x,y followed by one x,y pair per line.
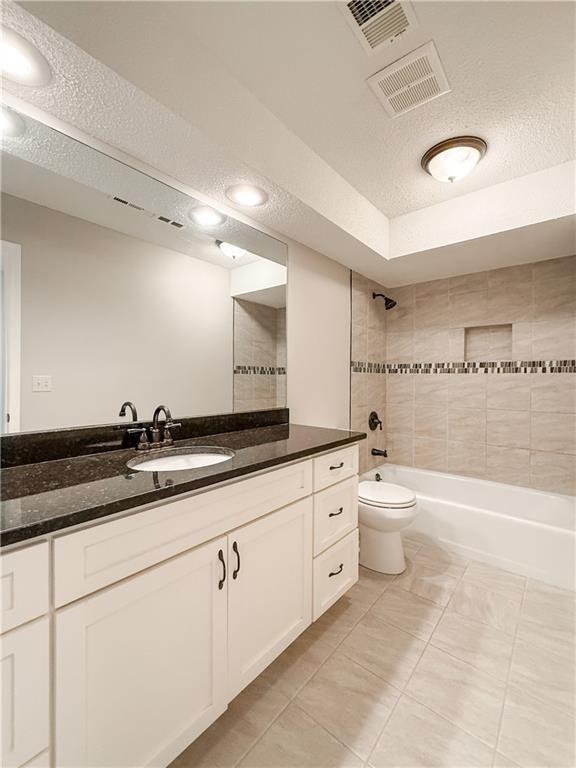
x,y
172,424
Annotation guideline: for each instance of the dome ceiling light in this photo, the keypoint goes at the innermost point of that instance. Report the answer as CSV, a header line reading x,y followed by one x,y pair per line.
x,y
22,62
232,251
11,123
247,194
205,216
452,159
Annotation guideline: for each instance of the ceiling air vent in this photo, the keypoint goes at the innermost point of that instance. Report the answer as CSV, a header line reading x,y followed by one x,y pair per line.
x,y
378,23
411,81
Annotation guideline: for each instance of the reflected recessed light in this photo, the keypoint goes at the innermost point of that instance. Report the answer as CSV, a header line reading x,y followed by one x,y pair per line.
x,y
452,159
20,61
246,194
205,216
232,251
11,123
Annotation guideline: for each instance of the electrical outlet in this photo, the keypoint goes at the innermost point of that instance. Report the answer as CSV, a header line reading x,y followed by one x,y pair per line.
x,y
41,383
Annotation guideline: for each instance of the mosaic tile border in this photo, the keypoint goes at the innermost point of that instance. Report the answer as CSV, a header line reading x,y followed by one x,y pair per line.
x,y
262,370
501,366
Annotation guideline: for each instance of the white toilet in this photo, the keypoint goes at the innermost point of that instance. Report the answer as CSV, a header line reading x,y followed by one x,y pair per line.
x,y
384,509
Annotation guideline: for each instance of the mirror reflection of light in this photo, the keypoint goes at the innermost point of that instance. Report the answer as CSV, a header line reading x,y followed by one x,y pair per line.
x,y
11,123
232,251
20,61
205,216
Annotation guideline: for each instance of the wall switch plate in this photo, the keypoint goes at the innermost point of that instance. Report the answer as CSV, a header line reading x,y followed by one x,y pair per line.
x,y
41,383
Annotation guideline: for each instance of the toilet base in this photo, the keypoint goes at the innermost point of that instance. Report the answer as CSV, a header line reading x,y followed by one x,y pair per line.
x,y
380,551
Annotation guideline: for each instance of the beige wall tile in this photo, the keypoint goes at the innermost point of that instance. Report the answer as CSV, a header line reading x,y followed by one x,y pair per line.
x,y
508,391
400,419
554,339
399,388
478,281
469,309
467,425
400,448
521,274
457,344
432,312
400,347
554,472
565,267
431,421
431,346
359,343
555,298
510,303
553,432
508,428
467,458
554,392
508,465
431,389
430,453
431,288
467,390
521,341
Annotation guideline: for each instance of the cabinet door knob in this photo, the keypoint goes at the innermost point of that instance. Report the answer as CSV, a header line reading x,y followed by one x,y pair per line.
x,y
335,514
337,571
338,466
223,579
236,570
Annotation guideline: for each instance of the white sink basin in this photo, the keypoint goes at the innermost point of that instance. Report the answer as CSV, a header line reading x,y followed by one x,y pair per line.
x,y
186,458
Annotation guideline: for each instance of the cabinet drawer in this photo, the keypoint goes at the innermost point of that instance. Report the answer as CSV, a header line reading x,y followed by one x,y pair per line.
x,y
95,557
335,513
25,579
335,466
335,571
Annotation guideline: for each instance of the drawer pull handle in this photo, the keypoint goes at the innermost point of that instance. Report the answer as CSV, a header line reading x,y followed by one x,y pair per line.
x,y
338,466
236,570
336,572
223,579
335,514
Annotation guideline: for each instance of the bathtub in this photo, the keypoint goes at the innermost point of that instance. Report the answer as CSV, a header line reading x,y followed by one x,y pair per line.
x,y
519,529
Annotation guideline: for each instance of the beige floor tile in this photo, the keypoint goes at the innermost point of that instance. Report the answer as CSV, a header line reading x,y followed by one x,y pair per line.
x,y
407,611
443,559
534,735
485,648
548,619
369,587
546,596
411,547
383,650
547,676
502,762
228,739
295,740
431,581
416,736
464,695
511,585
485,606
350,702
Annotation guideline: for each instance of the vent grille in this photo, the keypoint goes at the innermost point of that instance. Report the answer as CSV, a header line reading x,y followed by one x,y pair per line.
x,y
378,23
163,219
411,81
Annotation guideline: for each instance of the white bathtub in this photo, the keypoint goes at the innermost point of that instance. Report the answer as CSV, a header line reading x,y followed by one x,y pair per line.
x,y
519,529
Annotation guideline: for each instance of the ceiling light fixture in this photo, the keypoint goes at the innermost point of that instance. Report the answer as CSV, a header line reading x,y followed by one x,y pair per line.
x,y
232,251
452,159
247,194
20,61
11,123
205,216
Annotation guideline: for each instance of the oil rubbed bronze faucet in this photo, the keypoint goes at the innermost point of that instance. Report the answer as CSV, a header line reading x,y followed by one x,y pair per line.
x,y
160,434
132,407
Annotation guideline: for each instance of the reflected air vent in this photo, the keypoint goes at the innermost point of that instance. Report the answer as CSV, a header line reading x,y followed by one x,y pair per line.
x,y
411,81
377,23
164,219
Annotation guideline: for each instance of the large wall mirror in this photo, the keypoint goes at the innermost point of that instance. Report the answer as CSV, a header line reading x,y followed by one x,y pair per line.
x,y
116,286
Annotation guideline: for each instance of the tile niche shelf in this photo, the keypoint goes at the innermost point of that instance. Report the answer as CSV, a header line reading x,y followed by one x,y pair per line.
x,y
488,342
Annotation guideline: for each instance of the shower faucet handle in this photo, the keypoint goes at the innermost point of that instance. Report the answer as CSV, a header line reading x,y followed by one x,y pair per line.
x,y
374,421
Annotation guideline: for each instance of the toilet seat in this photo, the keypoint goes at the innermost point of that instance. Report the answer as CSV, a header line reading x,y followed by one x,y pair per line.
x,y
385,495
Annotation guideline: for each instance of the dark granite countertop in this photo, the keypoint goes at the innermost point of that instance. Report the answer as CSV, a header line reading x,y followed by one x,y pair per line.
x,y
48,496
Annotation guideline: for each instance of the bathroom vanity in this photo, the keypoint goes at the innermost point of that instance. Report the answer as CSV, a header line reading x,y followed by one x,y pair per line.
x,y
127,634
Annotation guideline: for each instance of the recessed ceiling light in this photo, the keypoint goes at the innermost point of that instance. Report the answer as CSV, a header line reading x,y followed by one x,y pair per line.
x,y
11,123
205,216
246,194
232,251
452,159
20,61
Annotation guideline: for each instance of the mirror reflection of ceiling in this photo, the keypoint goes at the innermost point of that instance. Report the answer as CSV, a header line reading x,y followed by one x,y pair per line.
x,y
51,169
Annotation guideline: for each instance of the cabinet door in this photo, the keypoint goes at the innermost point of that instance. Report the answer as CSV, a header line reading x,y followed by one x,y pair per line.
x,y
141,666
25,699
269,590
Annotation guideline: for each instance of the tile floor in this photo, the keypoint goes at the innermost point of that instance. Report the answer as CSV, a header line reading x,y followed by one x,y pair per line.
x,y
453,663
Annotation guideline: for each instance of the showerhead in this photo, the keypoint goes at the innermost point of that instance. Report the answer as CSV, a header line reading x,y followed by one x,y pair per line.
x,y
388,303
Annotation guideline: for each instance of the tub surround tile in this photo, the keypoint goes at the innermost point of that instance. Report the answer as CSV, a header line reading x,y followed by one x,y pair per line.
x,y
467,458
534,734
466,425
508,465
553,432
407,611
554,393
485,648
467,391
509,429
459,692
431,391
508,392
554,472
417,736
349,702
431,421
430,453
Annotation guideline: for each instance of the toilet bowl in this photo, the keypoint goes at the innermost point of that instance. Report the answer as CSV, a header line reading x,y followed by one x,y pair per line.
x,y
384,509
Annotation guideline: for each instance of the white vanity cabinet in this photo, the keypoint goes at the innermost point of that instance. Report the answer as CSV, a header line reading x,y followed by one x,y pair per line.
x,y
141,666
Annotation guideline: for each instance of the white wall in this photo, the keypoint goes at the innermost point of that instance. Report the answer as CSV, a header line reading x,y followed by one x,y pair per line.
x,y
318,337
113,318
256,276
